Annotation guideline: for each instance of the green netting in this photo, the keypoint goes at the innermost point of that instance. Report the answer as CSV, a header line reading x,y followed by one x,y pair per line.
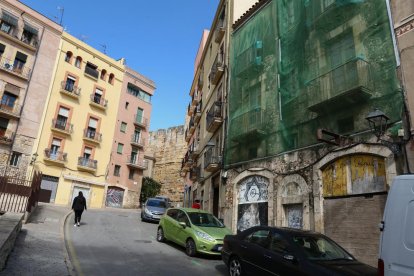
x,y
300,65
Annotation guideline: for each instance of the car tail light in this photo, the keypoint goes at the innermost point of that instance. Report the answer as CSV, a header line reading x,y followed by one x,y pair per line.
x,y
380,267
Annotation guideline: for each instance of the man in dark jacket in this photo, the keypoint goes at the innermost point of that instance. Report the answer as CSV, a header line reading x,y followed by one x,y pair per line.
x,y
79,204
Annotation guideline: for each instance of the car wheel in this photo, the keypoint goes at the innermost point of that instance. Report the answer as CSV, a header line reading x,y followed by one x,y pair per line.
x,y
160,235
190,248
235,268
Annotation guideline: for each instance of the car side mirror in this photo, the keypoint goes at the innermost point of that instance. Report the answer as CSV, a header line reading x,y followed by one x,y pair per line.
x,y
183,224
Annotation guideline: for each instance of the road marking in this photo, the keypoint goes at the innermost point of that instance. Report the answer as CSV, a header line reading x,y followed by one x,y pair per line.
x,y
72,252
196,263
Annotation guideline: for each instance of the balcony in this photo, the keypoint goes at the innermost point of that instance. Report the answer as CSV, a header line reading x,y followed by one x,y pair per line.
x,y
217,69
6,138
214,117
15,68
320,12
92,136
70,90
187,135
98,101
194,151
197,112
56,157
187,162
345,85
212,162
248,126
200,81
62,127
10,111
141,121
191,126
28,44
91,72
195,98
134,162
88,165
137,141
250,62
220,30
190,109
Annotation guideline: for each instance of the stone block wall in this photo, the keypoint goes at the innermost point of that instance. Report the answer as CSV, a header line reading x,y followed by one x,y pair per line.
x,y
168,146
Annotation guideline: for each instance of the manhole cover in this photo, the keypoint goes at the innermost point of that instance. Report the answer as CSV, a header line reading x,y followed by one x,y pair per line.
x,y
143,241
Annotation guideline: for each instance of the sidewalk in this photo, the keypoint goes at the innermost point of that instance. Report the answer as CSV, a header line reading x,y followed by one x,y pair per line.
x,y
39,248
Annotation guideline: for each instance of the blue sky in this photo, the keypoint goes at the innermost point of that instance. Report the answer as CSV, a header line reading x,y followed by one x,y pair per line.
x,y
159,39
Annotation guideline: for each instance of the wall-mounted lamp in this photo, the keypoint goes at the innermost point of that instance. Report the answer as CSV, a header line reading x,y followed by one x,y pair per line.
x,y
378,123
34,157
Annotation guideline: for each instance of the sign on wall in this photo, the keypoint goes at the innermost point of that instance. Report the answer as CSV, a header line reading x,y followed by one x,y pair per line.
x,y
355,174
253,202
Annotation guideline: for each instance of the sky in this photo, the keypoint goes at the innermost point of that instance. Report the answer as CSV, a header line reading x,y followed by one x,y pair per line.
x,y
159,39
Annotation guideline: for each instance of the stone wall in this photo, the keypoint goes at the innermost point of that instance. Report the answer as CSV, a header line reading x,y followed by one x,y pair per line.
x,y
131,200
168,146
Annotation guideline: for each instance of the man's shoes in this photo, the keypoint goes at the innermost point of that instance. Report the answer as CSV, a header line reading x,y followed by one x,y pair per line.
x,y
78,224
75,225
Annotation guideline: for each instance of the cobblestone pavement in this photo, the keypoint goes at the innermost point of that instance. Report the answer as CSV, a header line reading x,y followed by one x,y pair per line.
x,y
39,248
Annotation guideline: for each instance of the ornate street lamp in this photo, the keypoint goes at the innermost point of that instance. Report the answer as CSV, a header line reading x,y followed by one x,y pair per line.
x,y
378,122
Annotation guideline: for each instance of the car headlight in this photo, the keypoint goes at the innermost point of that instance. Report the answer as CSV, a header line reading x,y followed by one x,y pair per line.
x,y
147,211
204,236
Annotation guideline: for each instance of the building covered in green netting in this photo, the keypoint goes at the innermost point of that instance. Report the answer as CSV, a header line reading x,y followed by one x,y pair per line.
x,y
296,67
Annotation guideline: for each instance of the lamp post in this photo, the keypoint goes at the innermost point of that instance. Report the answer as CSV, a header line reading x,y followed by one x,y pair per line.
x,y
378,123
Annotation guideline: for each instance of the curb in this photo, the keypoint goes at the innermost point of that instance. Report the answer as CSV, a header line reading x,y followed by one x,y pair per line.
x,y
68,262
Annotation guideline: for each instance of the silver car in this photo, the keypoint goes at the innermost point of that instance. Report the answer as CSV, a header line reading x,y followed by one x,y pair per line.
x,y
153,209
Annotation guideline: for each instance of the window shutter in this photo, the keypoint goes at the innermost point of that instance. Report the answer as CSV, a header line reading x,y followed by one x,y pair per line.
x,y
20,56
64,112
56,142
93,123
98,91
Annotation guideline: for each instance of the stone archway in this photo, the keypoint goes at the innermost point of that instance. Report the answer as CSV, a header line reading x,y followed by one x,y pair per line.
x,y
293,203
252,199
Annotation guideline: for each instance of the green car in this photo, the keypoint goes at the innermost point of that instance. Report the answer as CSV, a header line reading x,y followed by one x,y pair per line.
x,y
197,230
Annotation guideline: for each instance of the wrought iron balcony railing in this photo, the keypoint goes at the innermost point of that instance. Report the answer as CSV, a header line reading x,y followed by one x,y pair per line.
x,y
99,100
92,135
62,125
15,67
55,155
88,163
70,88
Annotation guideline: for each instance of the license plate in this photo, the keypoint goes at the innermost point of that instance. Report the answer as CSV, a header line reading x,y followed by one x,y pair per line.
x,y
156,216
219,248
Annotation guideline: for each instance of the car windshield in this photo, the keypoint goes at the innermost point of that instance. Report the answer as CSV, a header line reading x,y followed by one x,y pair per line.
x,y
156,203
204,220
317,248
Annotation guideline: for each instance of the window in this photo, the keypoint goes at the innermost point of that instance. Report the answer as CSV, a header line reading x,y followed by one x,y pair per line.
x,y
126,105
3,126
62,118
117,170
68,56
137,92
8,100
260,237
19,62
131,174
15,159
8,22
92,125
78,62
123,127
172,213
70,83
98,96
134,157
120,148
87,153
91,70
54,148
111,78
29,35
2,48
103,74
278,243
182,217
137,135
140,114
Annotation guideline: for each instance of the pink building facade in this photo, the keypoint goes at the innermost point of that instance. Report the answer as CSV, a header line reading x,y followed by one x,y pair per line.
x,y
127,163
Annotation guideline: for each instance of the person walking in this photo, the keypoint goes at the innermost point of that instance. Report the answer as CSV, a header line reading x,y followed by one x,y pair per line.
x,y
78,205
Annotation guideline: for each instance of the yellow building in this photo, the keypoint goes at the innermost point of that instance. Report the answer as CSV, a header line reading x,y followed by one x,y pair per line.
x,y
75,139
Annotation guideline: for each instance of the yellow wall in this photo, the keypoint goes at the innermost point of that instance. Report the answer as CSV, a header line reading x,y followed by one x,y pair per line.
x,y
73,144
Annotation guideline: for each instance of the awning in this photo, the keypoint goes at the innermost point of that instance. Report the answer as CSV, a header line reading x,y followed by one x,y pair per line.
x,y
30,28
13,89
2,47
9,18
20,56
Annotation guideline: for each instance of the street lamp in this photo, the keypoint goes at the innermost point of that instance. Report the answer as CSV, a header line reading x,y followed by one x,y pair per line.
x,y
378,123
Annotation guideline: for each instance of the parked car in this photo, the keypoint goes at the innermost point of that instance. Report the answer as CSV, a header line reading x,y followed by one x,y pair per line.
x,y
167,200
153,209
396,254
197,230
264,250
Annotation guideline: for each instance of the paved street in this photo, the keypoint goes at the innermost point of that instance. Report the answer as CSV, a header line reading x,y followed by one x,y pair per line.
x,y
116,242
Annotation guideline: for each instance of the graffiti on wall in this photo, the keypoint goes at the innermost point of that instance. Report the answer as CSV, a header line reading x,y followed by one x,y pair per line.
x,y
114,197
252,202
355,174
294,215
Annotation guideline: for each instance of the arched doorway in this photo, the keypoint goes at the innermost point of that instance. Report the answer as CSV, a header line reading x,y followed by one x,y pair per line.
x,y
252,208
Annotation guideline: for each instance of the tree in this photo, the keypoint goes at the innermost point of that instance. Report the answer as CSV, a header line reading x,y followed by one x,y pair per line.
x,y
150,188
